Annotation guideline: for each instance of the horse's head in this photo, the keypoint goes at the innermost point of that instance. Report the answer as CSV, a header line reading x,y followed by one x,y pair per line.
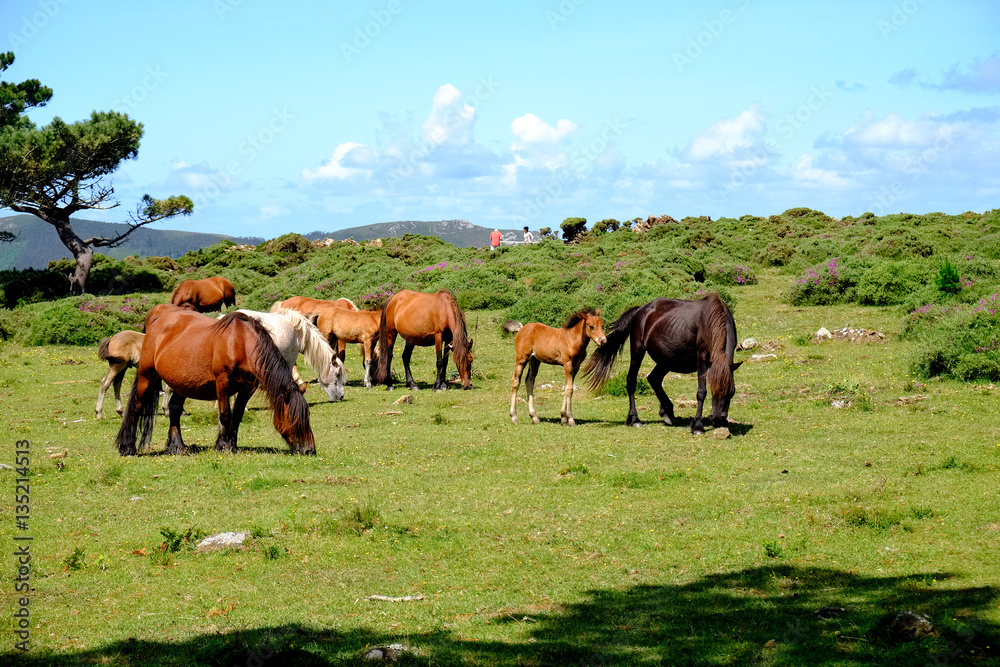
x,y
333,379
594,328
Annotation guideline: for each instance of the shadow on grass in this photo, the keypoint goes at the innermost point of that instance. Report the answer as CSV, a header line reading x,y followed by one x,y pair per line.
x,y
782,615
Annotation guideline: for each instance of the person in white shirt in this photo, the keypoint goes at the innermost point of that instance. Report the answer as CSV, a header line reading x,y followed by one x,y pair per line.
x,y
528,237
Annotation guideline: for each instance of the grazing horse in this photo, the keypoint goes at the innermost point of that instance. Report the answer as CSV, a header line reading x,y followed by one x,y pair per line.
x,y
292,333
341,326
121,351
211,360
537,343
424,319
205,296
680,336
308,307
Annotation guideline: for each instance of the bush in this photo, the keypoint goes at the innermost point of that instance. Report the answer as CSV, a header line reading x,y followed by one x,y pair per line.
x,y
821,285
82,320
960,341
731,275
947,279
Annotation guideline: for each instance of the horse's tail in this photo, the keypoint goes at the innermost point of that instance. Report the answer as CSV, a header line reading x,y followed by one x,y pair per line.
x,y
381,373
459,336
722,326
139,415
288,406
510,326
602,360
102,349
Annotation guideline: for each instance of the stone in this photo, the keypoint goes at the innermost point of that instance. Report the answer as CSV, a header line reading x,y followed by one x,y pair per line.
x,y
748,344
404,399
721,433
223,541
824,333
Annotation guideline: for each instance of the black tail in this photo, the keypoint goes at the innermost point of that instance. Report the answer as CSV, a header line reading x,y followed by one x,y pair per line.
x,y
139,414
602,360
381,373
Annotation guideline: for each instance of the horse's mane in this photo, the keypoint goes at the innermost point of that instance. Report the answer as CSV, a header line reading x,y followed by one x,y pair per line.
x,y
576,317
286,402
318,353
722,344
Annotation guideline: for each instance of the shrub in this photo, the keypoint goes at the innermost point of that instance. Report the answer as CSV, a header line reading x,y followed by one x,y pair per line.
x,y
821,285
961,341
948,280
731,274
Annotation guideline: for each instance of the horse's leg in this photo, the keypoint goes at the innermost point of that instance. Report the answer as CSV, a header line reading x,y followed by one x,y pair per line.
x,y
388,361
366,360
696,425
566,415
166,400
236,417
529,386
407,351
226,440
515,382
655,378
175,408
638,354
441,363
109,378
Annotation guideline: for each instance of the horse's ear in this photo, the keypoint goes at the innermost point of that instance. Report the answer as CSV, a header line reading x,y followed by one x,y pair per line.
x,y
313,317
733,367
598,312
471,341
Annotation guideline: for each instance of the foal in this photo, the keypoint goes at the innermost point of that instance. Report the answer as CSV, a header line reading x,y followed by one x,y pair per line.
x,y
536,343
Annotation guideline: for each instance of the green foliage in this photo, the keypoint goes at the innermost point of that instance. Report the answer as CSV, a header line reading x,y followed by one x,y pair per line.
x,y
74,320
76,560
617,386
947,279
960,341
174,540
572,228
16,98
731,275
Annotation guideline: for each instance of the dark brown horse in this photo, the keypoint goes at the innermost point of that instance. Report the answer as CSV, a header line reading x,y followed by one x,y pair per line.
x,y
680,336
316,307
424,319
567,347
211,360
206,295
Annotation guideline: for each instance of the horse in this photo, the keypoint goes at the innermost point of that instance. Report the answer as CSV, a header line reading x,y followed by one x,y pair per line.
x,y
680,336
293,333
308,307
536,343
206,295
341,326
211,360
424,319
121,351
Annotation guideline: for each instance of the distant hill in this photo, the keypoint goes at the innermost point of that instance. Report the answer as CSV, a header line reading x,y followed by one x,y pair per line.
x,y
37,243
459,233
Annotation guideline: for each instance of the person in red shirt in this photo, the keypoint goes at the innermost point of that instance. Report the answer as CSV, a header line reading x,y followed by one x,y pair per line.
x,y
495,237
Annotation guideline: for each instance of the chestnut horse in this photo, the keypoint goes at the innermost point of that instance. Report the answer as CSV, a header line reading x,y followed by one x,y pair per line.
x,y
211,360
121,351
308,306
680,336
352,326
424,319
206,295
536,343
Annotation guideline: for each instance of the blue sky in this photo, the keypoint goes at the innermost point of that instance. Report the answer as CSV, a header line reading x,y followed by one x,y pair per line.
x,y
279,117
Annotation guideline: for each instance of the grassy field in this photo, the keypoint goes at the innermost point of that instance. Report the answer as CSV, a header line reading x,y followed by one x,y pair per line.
x,y
795,541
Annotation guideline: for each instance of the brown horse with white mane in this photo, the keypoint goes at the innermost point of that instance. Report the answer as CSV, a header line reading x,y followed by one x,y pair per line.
x,y
424,319
211,360
536,343
206,295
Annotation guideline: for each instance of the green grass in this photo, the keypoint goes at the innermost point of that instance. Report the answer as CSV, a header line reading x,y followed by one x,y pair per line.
x,y
530,544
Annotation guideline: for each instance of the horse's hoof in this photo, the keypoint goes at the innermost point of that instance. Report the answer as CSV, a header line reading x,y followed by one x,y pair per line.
x,y
536,420
635,423
571,423
513,419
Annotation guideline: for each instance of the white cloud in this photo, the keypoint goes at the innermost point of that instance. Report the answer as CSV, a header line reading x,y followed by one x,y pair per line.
x,y
334,168
530,129
450,121
730,137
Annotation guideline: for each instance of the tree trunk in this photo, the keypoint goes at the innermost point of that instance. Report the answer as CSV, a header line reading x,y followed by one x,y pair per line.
x,y
82,252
